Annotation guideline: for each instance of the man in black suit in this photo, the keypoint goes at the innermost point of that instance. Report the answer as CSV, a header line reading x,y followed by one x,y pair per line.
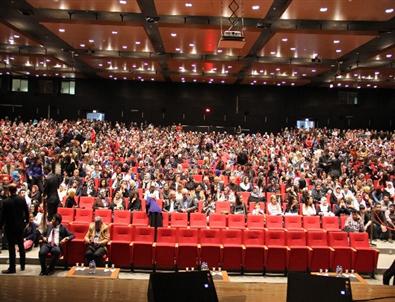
x,y
53,239
51,191
15,216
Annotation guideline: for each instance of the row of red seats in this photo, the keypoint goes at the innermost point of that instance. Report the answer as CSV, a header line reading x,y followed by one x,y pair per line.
x,y
234,250
199,220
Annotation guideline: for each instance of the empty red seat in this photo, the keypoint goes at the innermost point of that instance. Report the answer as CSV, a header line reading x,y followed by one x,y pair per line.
x,y
330,223
197,178
76,248
274,222
210,247
179,219
141,247
232,252
165,248
106,215
67,215
187,250
298,252
119,246
83,215
236,221
217,221
198,220
311,222
165,219
277,251
292,222
342,254
139,218
320,252
254,253
255,222
364,257
222,207
122,217
86,202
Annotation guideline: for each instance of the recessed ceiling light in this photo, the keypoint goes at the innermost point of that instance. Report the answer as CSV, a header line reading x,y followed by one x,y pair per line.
x,y
62,30
188,4
323,9
91,41
292,84
368,85
219,50
173,34
336,41
388,55
123,2
346,85
100,65
377,72
331,86
194,80
138,42
124,47
191,45
16,36
359,87
82,45
229,66
375,86
114,32
272,52
256,7
222,81
313,70
304,75
284,39
292,48
339,84
178,49
277,69
338,50
389,10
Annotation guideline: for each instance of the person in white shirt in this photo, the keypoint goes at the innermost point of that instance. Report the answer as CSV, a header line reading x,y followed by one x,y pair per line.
x,y
325,208
152,192
258,210
308,208
273,207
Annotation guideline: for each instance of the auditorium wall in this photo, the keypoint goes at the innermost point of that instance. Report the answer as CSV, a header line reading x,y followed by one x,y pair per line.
x,y
261,108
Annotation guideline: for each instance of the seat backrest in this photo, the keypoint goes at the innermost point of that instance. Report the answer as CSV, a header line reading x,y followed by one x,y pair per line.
x,y
179,219
86,202
358,240
198,220
254,237
311,222
245,196
144,234
166,235
185,235
67,214
275,237
122,233
217,220
236,221
317,238
293,221
122,217
338,239
274,221
165,219
139,218
222,207
79,229
83,215
106,215
330,223
232,236
209,236
198,178
296,238
255,221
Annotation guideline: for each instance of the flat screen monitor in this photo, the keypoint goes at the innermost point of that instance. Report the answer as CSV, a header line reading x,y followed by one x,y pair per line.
x,y
305,124
95,116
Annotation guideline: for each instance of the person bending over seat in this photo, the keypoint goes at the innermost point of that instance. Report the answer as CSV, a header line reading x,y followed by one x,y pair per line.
x,y
53,241
96,239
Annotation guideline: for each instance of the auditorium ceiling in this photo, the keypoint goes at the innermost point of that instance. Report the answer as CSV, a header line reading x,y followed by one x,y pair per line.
x,y
322,43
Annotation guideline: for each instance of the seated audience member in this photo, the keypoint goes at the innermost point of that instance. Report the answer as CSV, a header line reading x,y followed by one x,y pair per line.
x,y
390,220
317,193
154,213
245,185
238,207
96,239
117,202
88,188
324,208
365,216
134,202
70,199
53,240
354,223
35,197
256,195
385,203
274,207
380,230
341,208
30,233
170,205
292,206
209,205
389,190
258,210
101,201
308,208
336,195
152,192
186,204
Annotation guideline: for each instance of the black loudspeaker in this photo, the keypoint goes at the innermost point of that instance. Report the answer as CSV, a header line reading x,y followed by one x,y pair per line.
x,y
182,287
303,287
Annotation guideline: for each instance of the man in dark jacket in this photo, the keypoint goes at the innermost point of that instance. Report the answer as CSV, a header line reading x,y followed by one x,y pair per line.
x,y
51,191
15,216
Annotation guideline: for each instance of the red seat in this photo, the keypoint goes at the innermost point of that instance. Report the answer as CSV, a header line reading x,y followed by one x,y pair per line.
x,y
217,221
232,252
251,207
245,196
106,215
198,220
210,247
342,254
364,257
86,202
236,221
119,246
83,215
311,222
293,222
165,219
122,217
76,248
320,252
277,252
179,219
343,219
187,250
298,252
274,222
330,223
255,222
139,218
67,215
198,178
141,247
254,253
222,207
165,248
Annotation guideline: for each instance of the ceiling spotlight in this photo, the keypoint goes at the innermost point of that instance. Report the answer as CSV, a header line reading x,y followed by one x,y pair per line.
x,y
123,2
62,30
338,50
188,4
284,39
16,36
91,41
256,7
191,45
323,9
114,32
389,10
138,42
173,35
82,45
388,55
331,86
336,41
124,47
292,48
